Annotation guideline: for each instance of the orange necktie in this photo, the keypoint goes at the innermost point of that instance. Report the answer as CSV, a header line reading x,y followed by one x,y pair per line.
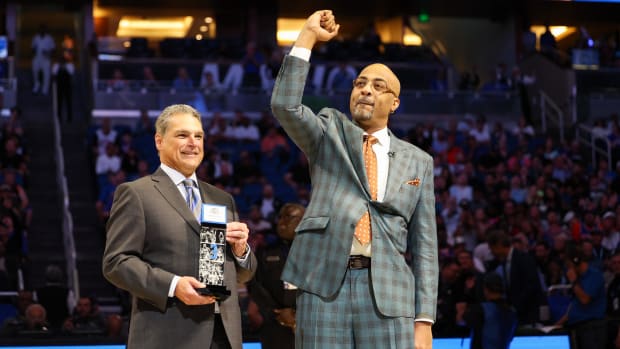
x,y
363,230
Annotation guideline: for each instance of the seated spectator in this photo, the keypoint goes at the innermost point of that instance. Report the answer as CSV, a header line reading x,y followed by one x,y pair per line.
x,y
523,129
35,322
13,156
85,319
108,161
149,81
209,85
17,310
118,81
129,163
16,243
246,169
17,194
103,135
461,190
439,83
144,125
14,125
481,131
213,91
243,129
268,203
273,141
340,78
106,195
257,223
470,80
182,82
219,130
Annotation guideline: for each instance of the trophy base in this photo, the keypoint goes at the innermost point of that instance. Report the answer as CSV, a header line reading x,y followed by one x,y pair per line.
x,y
219,292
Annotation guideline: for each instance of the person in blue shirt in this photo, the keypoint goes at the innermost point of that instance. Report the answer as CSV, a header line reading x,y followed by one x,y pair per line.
x,y
585,316
493,322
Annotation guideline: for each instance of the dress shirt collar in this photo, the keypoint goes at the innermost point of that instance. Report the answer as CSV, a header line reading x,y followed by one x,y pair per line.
x,y
382,136
176,176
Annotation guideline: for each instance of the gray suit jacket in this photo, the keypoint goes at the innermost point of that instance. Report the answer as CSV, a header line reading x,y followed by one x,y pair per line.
x,y
151,236
403,222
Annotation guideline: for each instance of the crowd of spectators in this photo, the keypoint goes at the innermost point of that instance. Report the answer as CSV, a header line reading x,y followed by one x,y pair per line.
x,y
15,211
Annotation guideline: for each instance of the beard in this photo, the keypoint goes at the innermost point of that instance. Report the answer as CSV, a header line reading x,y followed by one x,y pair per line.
x,y
359,113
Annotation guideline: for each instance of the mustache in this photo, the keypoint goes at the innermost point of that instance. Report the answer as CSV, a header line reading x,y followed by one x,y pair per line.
x,y
364,100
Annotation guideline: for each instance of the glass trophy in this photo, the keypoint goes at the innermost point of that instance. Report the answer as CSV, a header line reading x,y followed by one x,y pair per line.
x,y
212,254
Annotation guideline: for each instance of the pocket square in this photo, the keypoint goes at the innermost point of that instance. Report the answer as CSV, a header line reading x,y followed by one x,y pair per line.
x,y
414,182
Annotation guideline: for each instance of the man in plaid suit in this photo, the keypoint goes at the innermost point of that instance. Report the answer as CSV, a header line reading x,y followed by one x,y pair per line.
x,y
354,292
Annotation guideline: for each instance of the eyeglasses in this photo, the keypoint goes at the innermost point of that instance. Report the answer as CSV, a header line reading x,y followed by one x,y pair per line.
x,y
379,86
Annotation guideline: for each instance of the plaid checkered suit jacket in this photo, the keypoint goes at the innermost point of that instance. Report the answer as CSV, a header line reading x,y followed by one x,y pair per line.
x,y
403,222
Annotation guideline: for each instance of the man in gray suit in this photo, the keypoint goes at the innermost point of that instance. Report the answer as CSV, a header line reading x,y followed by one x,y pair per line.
x,y
362,291
152,247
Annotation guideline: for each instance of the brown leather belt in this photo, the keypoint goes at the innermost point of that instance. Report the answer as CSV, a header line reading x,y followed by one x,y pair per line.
x,y
358,262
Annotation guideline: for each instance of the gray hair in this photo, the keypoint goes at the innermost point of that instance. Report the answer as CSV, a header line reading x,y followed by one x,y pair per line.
x,y
161,125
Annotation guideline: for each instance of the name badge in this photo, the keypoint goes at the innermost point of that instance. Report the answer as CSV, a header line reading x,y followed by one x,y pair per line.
x,y
215,214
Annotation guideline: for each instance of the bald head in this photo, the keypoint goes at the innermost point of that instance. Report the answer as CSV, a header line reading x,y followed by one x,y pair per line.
x,y
386,73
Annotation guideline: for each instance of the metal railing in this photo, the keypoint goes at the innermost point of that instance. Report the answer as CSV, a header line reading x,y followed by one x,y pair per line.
x,y
598,145
67,218
550,112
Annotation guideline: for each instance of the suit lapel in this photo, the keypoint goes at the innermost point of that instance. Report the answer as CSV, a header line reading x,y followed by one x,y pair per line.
x,y
397,170
353,135
170,193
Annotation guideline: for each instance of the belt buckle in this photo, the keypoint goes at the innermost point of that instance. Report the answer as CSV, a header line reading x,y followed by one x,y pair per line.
x,y
356,262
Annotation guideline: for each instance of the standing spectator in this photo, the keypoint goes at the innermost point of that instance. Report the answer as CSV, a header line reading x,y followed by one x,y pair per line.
x,y
68,48
585,316
446,323
63,75
547,42
55,297
274,297
251,62
613,297
42,48
494,321
518,270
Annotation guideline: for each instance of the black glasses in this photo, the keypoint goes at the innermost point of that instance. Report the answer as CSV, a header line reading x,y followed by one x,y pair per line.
x,y
379,86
